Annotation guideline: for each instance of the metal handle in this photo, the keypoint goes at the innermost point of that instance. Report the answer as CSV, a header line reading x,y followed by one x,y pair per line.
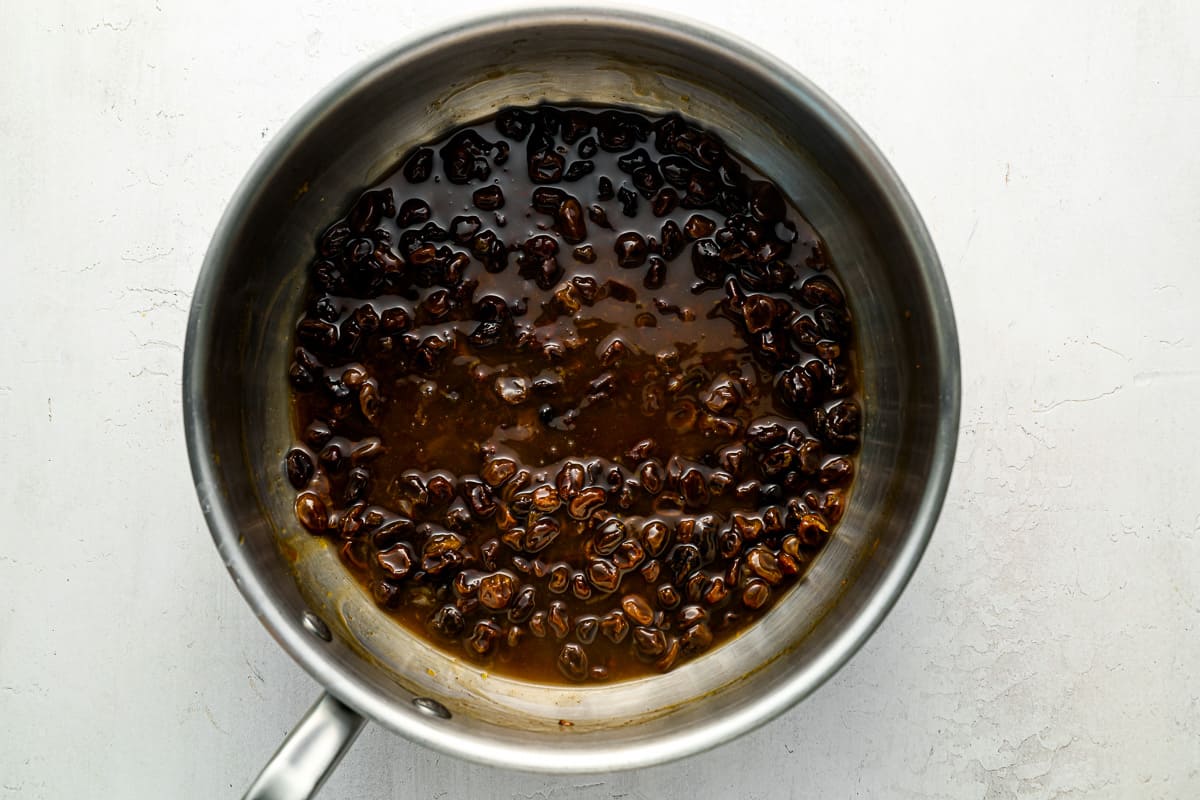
x,y
309,753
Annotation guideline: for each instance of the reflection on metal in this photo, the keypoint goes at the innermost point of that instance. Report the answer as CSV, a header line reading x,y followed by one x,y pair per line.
x,y
431,707
316,626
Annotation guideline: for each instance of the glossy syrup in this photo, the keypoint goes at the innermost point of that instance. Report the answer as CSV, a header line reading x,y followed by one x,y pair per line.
x,y
574,393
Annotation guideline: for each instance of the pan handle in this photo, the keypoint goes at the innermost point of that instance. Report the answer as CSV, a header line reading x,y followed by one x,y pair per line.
x,y
309,753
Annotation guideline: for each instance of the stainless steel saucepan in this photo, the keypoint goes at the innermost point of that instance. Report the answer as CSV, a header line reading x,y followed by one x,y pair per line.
x,y
236,397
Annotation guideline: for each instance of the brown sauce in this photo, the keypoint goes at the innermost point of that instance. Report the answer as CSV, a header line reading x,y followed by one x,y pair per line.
x,y
574,393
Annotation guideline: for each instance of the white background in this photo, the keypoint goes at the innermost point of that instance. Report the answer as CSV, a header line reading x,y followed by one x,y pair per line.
x,y
1048,645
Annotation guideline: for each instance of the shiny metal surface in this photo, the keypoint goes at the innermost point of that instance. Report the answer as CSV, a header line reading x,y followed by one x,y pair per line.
x,y
316,626
309,753
246,301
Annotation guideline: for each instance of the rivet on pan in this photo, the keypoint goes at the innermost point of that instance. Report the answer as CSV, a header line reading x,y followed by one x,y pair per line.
x,y
431,708
316,626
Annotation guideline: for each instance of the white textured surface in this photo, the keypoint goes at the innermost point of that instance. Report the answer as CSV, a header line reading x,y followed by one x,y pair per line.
x,y
1049,644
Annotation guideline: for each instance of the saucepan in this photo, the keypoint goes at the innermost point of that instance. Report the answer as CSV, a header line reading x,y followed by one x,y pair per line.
x,y
236,408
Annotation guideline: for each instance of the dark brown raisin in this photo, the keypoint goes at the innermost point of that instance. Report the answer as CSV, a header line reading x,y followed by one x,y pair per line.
x,y
419,166
299,466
